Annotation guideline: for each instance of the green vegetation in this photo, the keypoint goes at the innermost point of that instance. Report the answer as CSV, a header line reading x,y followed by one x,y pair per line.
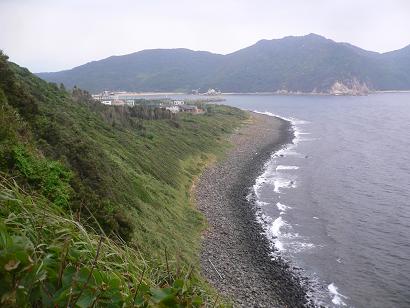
x,y
48,259
305,63
95,201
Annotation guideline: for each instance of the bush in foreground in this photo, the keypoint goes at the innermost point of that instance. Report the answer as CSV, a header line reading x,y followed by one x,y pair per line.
x,y
48,259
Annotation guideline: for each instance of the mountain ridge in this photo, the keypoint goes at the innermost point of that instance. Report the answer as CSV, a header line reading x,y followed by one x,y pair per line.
x,y
310,63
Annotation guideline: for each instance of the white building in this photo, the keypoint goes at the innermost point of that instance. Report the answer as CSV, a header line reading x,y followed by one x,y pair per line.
x,y
173,109
212,92
178,102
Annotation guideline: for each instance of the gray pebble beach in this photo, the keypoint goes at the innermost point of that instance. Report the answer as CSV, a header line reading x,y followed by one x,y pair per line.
x,y
235,254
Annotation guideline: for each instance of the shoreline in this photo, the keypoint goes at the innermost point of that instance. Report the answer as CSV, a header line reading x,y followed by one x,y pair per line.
x,y
166,94
235,254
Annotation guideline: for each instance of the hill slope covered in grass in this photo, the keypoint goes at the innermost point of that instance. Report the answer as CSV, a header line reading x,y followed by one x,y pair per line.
x,y
95,204
308,63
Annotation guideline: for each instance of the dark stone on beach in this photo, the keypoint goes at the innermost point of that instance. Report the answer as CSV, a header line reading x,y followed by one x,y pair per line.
x,y
242,254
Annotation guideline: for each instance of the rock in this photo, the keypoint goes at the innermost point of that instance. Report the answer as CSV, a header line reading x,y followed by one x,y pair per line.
x,y
349,87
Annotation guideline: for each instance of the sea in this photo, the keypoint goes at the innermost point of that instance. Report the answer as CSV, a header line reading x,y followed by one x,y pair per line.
x,y
335,203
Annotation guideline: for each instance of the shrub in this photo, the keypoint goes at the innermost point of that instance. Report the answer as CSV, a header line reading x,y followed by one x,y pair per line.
x,y
48,259
50,177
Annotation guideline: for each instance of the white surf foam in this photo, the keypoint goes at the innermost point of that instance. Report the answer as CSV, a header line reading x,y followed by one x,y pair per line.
x,y
279,245
258,184
282,208
261,203
281,183
263,219
293,121
277,224
283,239
295,125
290,119
337,298
298,247
282,167
288,151
278,231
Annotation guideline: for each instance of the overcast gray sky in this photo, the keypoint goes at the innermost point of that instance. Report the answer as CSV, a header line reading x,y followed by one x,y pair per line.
x,y
50,35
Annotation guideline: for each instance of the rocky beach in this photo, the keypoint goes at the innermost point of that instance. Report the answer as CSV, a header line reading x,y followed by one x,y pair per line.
x,y
235,255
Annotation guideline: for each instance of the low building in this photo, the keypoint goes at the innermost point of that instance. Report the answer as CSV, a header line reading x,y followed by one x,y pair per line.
x,y
212,92
184,108
173,109
178,102
130,102
190,109
118,102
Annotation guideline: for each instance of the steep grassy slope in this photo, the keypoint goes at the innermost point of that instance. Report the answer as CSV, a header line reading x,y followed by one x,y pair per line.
x,y
75,174
303,63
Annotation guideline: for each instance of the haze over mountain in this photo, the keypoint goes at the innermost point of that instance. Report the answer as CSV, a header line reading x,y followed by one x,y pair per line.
x,y
308,63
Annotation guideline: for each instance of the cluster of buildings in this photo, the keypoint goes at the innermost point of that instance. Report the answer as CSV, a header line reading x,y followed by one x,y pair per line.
x,y
115,98
133,99
180,106
210,92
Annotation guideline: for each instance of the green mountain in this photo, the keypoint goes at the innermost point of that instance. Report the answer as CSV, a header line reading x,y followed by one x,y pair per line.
x,y
95,205
147,70
309,63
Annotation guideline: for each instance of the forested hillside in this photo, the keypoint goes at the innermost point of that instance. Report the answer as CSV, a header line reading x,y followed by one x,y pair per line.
x,y
308,63
95,207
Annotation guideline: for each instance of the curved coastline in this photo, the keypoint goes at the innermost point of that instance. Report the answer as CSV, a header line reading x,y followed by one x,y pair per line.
x,y
235,256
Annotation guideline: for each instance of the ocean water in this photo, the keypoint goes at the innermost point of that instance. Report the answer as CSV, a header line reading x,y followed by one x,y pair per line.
x,y
336,202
